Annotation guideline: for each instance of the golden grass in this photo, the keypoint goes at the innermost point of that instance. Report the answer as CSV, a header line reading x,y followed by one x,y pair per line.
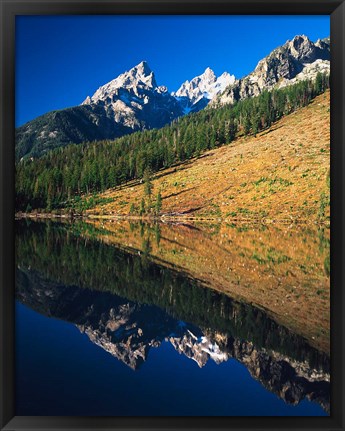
x,y
280,175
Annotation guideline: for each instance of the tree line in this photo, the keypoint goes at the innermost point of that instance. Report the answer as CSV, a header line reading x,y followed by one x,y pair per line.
x,y
57,178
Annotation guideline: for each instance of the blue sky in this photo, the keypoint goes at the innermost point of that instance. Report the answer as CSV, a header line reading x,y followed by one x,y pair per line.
x,y
62,59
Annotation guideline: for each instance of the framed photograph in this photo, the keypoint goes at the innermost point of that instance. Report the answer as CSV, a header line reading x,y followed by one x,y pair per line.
x,y
172,204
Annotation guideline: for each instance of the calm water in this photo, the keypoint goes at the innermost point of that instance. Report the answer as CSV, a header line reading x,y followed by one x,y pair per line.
x,y
101,330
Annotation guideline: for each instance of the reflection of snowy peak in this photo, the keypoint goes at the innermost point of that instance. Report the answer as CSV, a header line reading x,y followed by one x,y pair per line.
x,y
195,94
128,330
121,335
199,349
131,344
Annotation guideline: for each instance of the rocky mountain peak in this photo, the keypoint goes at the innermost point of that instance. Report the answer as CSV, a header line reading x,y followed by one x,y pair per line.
x,y
225,75
140,76
299,43
133,100
304,50
195,94
298,59
143,68
209,75
198,86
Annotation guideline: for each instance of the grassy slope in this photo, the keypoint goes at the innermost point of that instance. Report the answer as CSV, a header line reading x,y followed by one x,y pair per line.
x,y
280,175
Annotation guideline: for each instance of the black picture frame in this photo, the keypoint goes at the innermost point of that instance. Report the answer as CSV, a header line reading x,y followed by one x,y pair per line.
x,y
9,9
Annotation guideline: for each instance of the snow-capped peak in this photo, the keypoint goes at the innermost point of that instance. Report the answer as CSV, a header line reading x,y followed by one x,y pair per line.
x,y
143,68
130,86
196,94
135,101
140,76
206,85
208,75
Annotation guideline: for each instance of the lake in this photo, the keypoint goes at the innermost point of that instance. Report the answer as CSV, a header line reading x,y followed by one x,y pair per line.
x,y
146,319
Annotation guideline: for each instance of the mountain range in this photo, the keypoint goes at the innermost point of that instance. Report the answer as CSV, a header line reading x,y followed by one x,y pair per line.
x,y
134,101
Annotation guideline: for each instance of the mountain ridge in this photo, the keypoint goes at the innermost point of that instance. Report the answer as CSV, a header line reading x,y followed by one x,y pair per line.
x,y
283,66
134,101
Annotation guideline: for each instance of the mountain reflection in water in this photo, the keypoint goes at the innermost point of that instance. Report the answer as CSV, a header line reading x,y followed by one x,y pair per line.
x,y
127,304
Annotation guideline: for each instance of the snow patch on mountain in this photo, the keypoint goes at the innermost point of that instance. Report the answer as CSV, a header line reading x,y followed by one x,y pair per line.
x,y
195,94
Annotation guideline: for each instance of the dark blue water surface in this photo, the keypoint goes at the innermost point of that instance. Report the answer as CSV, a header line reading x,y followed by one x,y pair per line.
x,y
60,372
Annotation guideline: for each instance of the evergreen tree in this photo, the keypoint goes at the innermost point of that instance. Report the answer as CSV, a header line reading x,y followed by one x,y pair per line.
x,y
147,178
255,122
158,204
319,83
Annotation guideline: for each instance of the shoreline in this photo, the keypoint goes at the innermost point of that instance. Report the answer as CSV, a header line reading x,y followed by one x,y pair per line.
x,y
172,218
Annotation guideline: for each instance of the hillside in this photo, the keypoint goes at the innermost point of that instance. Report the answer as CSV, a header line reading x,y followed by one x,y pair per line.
x,y
60,128
281,174
61,177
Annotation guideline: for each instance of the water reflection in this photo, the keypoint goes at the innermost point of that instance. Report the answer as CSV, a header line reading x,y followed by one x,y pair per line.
x,y
283,270
127,303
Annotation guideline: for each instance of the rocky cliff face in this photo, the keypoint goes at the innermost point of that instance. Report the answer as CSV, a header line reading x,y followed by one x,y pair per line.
x,y
296,60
